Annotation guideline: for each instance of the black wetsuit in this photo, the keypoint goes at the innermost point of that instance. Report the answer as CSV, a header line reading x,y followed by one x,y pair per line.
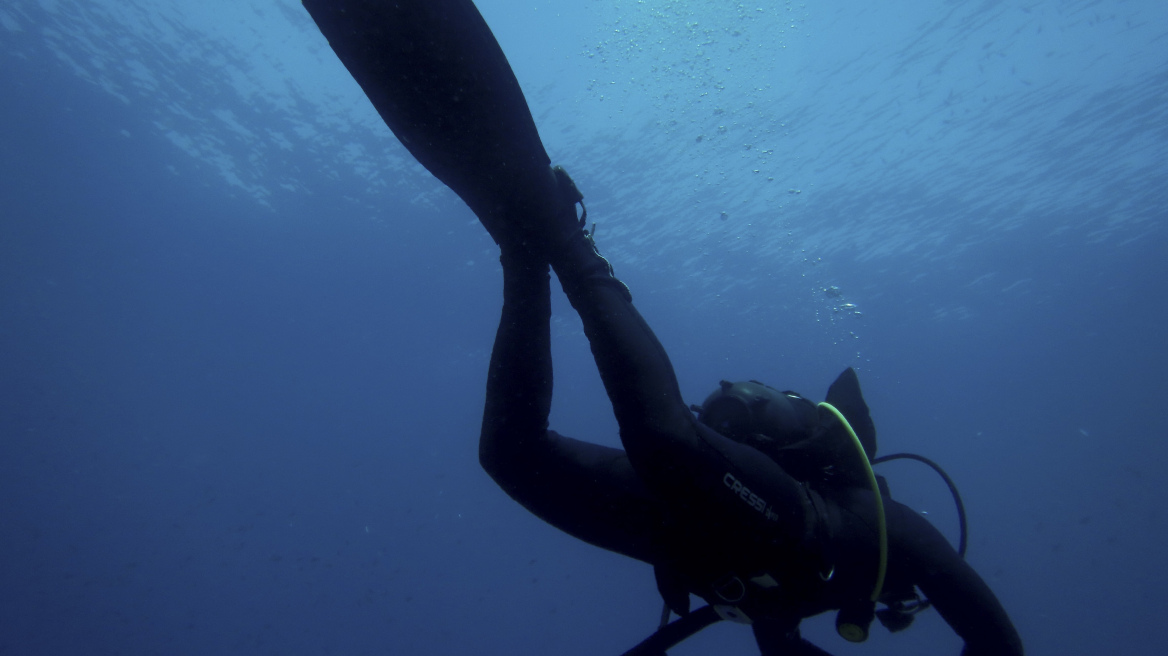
x,y
715,517
669,498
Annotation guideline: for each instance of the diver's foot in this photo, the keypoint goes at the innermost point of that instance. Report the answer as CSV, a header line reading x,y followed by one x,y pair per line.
x,y
571,248
541,226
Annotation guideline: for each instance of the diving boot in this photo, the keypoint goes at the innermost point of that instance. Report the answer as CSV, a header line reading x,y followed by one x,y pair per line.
x,y
571,248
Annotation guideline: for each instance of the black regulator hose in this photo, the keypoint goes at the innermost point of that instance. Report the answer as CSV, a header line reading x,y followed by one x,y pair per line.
x,y
961,544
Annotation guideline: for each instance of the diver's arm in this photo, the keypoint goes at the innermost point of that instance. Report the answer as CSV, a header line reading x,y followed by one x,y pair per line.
x,y
961,596
587,490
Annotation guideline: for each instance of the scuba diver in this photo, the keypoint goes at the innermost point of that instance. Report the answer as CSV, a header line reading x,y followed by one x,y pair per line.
x,y
759,501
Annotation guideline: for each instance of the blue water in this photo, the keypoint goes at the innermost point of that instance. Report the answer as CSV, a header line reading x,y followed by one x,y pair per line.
x,y
243,337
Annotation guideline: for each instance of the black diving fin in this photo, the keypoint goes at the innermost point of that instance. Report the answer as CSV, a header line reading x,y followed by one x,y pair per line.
x,y
440,81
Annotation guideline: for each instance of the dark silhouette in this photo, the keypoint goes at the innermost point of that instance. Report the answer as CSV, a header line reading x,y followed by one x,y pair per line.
x,y
761,503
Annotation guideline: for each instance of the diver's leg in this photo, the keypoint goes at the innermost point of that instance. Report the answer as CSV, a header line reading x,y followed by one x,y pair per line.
x,y
678,457
588,490
519,380
440,81
436,75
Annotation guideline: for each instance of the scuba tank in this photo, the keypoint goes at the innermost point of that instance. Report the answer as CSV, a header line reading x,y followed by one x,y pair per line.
x,y
784,426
